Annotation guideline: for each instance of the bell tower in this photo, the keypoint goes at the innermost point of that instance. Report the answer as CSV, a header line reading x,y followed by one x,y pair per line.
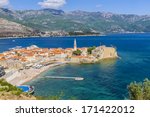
x,y
75,45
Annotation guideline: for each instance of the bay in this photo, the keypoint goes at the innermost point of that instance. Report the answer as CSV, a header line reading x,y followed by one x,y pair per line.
x,y
106,80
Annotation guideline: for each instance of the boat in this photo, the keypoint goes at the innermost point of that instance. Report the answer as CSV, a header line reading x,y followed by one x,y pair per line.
x,y
79,78
27,89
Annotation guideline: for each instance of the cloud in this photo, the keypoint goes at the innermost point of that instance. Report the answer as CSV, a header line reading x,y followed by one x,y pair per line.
x,y
54,4
99,6
4,3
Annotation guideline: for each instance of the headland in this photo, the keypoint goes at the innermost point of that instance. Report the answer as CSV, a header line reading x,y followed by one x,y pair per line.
x,y
24,64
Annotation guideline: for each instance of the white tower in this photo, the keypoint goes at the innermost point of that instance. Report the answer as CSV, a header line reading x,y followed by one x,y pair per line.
x,y
75,45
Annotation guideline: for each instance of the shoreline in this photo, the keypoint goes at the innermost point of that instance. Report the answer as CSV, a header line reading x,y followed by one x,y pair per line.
x,y
23,76
34,77
3,38
45,70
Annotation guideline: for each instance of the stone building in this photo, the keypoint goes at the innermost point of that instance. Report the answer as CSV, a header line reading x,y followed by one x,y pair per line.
x,y
103,52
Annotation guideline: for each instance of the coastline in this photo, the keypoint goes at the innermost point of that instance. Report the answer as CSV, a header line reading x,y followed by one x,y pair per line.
x,y
3,38
47,68
23,77
27,75
21,73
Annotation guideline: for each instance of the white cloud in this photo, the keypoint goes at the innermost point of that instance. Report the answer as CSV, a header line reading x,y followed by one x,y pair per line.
x,y
4,3
54,4
99,6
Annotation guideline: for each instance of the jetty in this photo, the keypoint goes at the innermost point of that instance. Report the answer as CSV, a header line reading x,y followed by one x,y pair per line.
x,y
61,77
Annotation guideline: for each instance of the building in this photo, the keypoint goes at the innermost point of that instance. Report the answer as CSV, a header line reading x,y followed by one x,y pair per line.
x,y
12,64
75,45
103,52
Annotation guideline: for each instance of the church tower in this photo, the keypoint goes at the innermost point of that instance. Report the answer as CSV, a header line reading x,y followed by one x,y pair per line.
x,y
75,45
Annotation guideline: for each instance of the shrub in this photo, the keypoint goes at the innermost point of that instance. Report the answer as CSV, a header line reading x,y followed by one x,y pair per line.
x,y
6,87
77,52
139,91
90,49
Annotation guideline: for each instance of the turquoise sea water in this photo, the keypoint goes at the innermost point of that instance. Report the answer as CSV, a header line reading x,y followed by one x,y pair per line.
x,y
105,80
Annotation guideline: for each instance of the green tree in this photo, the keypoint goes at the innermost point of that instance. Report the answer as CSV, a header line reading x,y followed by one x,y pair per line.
x,y
90,49
146,89
139,91
77,52
6,87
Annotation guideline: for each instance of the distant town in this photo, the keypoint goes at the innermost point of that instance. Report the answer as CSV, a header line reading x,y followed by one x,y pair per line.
x,y
19,65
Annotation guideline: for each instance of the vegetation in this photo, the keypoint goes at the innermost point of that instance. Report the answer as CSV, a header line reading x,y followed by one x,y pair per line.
x,y
103,23
90,49
10,92
139,91
6,87
77,52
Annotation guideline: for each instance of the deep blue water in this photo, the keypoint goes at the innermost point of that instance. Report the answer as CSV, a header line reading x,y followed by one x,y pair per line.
x,y
105,80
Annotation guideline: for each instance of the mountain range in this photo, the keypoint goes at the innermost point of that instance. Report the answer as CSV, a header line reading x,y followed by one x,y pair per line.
x,y
77,21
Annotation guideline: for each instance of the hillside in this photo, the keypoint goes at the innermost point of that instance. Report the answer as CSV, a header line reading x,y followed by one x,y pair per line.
x,y
10,92
12,29
78,21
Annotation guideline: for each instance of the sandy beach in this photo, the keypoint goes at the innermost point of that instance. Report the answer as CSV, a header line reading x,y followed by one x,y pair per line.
x,y
27,75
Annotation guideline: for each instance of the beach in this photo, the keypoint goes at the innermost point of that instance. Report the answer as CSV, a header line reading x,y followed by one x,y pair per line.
x,y
21,77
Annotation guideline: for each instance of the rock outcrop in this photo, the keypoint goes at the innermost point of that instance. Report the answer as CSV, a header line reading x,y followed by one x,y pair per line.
x,y
99,53
103,52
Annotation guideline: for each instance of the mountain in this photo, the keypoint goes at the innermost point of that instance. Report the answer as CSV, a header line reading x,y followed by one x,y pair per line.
x,y
12,29
78,21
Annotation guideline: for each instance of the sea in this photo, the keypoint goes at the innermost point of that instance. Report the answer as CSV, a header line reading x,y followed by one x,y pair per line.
x,y
105,80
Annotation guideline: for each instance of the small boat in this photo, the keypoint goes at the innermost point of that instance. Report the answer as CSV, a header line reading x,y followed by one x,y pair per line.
x,y
13,40
79,78
27,89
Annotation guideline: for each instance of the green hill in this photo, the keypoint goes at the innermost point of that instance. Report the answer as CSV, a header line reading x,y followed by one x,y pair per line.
x,y
78,21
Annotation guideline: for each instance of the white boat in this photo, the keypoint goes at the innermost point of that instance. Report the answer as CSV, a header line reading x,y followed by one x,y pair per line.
x,y
79,78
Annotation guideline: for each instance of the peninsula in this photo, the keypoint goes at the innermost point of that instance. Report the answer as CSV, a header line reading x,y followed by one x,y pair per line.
x,y
23,64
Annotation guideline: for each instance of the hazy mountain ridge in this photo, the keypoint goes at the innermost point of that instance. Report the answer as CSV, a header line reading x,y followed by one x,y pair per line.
x,y
54,20
12,29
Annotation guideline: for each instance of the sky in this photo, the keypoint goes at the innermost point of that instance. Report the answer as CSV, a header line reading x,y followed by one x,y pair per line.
x,y
140,7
